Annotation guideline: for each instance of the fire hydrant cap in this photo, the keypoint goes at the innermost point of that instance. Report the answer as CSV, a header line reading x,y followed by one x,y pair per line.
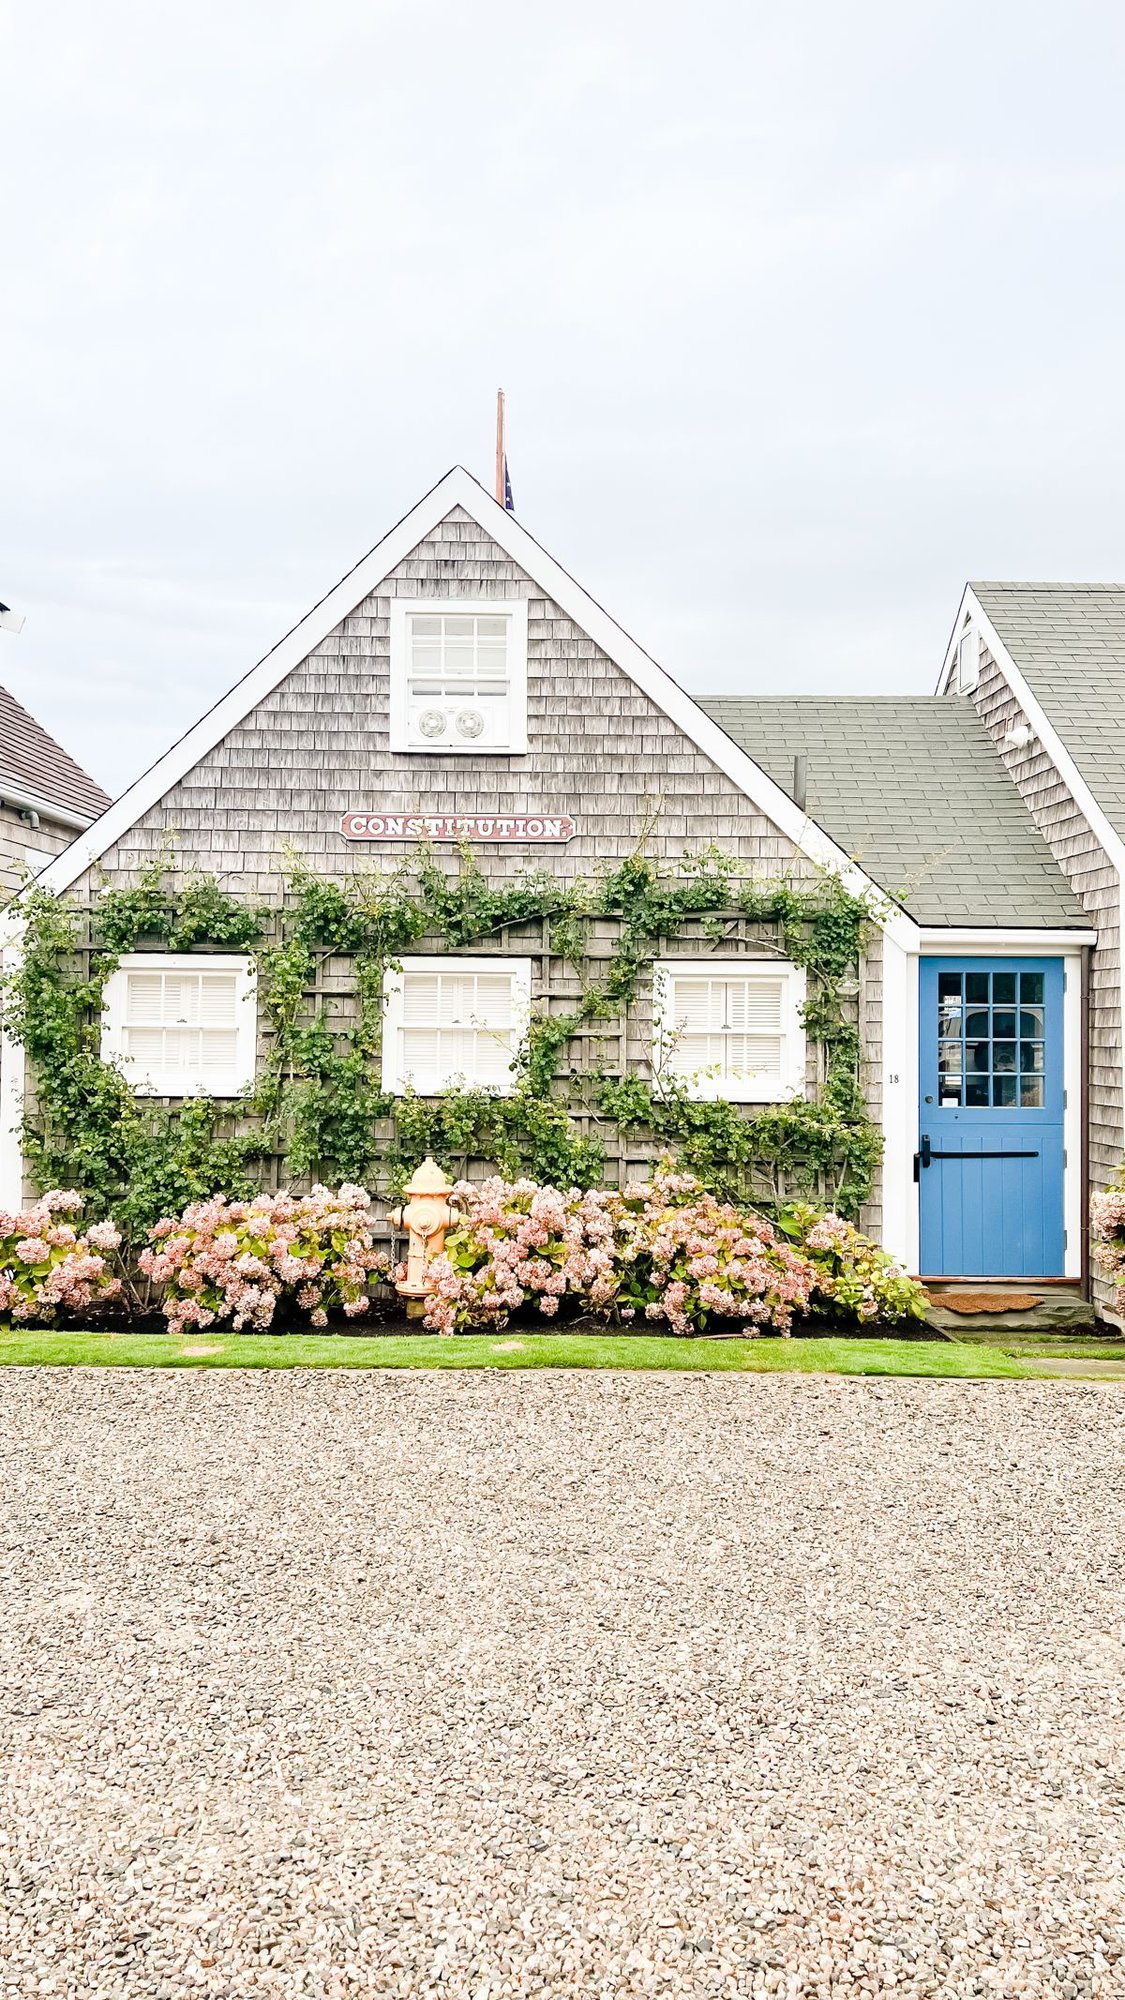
x,y
428,1179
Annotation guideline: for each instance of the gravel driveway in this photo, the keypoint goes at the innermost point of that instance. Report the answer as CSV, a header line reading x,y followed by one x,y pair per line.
x,y
335,1684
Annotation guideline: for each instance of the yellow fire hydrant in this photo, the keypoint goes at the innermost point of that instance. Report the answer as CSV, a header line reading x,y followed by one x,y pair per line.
x,y
426,1216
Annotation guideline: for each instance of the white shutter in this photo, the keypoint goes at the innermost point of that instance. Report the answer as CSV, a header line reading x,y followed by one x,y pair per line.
x,y
180,1024
457,1020
730,1028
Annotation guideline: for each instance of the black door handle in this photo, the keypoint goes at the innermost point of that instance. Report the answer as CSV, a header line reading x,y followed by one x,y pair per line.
x,y
923,1156
1001,1155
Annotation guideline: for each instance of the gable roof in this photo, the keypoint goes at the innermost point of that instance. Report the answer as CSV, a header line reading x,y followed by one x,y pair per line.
x,y
39,773
460,489
1068,641
916,790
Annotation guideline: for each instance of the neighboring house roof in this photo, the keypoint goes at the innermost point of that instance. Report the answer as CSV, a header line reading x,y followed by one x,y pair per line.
x,y
33,765
1068,641
914,789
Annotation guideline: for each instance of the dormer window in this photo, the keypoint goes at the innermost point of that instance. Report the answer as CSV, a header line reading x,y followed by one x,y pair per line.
x,y
968,661
459,675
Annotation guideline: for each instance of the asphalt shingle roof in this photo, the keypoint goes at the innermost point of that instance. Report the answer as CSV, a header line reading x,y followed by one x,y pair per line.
x,y
914,790
34,762
1068,640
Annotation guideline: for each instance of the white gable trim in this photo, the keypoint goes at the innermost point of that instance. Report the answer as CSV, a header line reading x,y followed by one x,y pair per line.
x,y
460,489
1044,729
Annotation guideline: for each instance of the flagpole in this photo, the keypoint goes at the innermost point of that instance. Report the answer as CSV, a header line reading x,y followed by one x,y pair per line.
x,y
500,447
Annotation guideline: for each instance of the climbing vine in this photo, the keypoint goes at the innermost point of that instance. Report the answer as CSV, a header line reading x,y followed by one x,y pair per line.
x,y
317,1106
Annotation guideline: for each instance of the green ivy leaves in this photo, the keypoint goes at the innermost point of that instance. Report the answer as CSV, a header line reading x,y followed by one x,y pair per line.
x,y
317,1104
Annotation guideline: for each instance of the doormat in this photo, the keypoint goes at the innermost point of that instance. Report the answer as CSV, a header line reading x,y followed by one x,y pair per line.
x,y
984,1302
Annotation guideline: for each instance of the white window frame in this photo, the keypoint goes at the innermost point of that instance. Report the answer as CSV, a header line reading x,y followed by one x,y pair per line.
x,y
512,608
967,661
517,969
224,1084
737,1089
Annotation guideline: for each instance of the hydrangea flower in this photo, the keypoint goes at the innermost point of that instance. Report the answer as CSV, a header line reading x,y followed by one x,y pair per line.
x,y
228,1262
49,1266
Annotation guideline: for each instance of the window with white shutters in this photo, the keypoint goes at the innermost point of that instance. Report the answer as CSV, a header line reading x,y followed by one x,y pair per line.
x,y
458,675
731,1028
181,1024
454,1020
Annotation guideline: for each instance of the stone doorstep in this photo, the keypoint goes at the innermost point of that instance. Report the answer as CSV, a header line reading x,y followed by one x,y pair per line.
x,y
1061,1310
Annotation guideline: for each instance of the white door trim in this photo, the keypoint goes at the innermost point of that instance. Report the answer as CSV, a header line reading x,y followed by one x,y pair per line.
x,y
1069,946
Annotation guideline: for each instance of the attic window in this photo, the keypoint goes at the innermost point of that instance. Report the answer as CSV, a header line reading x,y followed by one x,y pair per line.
x,y
968,662
459,675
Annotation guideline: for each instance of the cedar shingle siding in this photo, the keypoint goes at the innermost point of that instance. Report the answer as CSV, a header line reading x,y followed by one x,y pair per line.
x,y
318,745
1095,882
19,842
598,748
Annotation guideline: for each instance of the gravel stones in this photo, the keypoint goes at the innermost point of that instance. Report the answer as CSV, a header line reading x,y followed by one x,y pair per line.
x,y
492,1685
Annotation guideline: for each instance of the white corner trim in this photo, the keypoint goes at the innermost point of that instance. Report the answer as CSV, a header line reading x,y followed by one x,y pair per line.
x,y
12,1076
900,1100
1074,1088
460,489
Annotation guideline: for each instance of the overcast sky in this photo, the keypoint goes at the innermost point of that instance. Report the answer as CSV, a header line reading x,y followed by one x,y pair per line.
x,y
805,314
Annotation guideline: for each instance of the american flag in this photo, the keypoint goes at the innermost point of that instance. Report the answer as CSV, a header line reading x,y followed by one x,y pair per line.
x,y
509,503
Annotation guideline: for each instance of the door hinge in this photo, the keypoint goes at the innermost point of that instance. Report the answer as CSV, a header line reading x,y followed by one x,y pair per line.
x,y
1064,1156
1065,1095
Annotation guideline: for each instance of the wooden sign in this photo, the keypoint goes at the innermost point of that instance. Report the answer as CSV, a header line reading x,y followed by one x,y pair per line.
x,y
540,829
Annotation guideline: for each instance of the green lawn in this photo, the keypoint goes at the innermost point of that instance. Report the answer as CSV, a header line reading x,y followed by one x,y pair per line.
x,y
512,1350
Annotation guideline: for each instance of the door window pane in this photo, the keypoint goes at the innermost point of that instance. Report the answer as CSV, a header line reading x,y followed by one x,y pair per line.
x,y
991,1029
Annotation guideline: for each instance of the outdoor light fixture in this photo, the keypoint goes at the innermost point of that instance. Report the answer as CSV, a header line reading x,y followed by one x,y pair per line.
x,y
1018,736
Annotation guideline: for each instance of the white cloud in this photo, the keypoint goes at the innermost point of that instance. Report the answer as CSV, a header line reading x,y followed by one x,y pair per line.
x,y
804,315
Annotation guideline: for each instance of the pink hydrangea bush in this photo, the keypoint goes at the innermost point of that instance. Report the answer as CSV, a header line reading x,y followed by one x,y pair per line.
x,y
1107,1230
237,1261
49,1265
853,1278
664,1251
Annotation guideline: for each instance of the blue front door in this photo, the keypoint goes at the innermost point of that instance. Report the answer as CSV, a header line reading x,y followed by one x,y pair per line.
x,y
990,1129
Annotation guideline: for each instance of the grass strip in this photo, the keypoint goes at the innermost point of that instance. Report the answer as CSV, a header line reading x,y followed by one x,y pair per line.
x,y
836,1356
